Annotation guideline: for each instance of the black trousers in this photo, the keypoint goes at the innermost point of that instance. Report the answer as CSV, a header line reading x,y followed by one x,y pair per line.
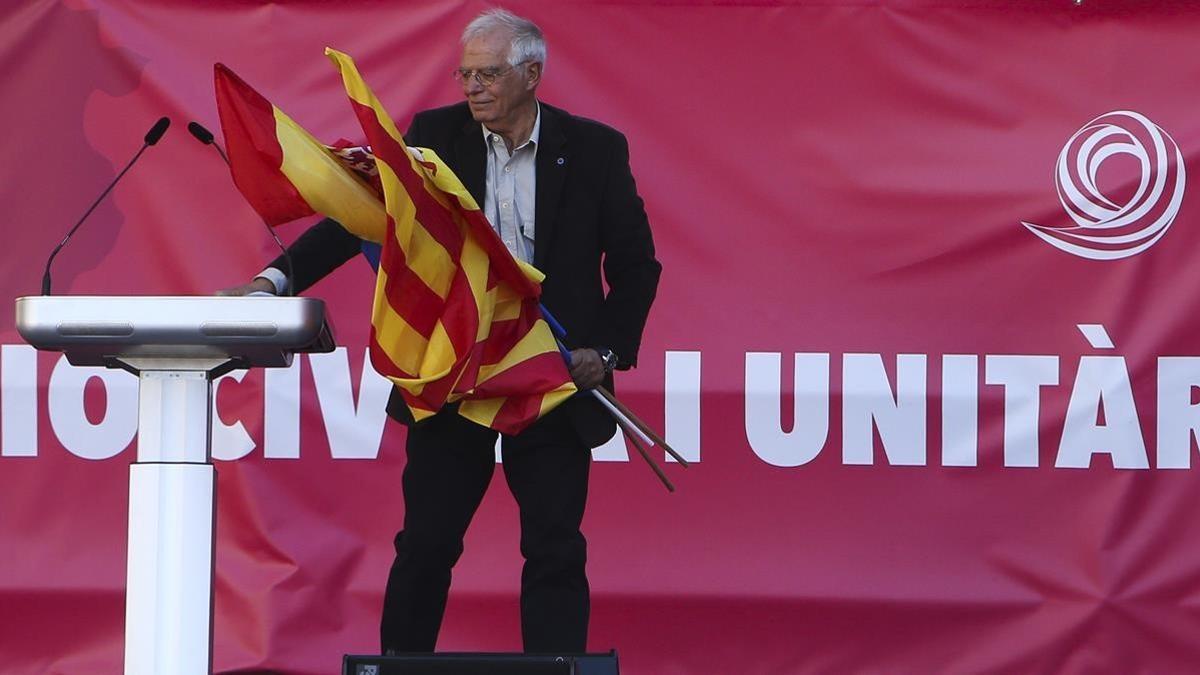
x,y
450,463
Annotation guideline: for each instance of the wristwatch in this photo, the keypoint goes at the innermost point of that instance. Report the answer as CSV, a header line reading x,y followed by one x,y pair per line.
x,y
608,357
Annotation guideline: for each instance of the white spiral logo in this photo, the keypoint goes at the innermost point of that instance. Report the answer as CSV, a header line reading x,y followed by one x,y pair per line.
x,y
1104,229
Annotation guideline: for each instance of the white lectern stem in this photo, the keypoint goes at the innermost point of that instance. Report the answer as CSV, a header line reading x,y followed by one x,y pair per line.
x,y
168,598
172,490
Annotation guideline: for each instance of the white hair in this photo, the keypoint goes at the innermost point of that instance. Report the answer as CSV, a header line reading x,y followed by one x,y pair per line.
x,y
528,43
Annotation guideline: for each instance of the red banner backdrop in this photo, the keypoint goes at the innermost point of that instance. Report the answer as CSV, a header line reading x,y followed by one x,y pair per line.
x,y
925,323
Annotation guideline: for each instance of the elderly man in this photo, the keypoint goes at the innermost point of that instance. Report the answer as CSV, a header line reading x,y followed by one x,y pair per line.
x,y
559,192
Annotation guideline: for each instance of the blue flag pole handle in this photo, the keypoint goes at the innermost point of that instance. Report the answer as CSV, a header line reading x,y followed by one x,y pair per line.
x,y
555,326
559,333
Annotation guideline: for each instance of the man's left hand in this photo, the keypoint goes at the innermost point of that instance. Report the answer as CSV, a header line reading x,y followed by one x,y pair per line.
x,y
587,368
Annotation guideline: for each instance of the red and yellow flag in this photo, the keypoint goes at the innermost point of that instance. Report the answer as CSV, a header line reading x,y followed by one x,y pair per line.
x,y
456,317
283,171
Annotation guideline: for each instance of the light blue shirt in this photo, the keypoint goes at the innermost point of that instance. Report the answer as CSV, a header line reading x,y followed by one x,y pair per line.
x,y
510,187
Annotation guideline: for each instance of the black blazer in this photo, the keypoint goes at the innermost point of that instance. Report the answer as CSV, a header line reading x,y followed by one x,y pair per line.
x,y
588,217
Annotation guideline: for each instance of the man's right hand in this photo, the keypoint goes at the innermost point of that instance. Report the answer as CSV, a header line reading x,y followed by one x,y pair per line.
x,y
259,284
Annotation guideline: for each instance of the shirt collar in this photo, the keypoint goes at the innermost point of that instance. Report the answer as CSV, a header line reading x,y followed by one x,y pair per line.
x,y
534,136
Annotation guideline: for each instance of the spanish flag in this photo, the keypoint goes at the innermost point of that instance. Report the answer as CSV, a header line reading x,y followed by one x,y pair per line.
x,y
283,171
455,317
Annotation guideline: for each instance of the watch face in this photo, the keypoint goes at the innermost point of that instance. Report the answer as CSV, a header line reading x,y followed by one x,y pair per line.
x,y
609,359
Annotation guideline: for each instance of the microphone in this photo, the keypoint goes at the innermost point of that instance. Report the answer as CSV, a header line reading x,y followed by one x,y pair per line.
x,y
156,132
203,135
206,137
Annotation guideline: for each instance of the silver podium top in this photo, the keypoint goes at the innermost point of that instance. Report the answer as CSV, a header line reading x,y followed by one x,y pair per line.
x,y
96,330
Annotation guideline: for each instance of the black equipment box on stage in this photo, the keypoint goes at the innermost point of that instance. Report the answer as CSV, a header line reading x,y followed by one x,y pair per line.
x,y
469,663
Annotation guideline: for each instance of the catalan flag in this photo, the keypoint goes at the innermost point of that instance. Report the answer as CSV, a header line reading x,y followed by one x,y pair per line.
x,y
455,317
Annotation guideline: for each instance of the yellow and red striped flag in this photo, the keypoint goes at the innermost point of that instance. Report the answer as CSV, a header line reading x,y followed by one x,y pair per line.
x,y
456,317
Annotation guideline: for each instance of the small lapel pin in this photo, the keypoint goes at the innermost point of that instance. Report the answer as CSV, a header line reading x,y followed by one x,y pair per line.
x,y
561,161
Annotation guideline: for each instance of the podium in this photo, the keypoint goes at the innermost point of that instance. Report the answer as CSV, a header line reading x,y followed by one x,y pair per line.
x,y
176,346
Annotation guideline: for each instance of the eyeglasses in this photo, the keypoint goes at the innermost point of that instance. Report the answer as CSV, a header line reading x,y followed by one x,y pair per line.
x,y
484,76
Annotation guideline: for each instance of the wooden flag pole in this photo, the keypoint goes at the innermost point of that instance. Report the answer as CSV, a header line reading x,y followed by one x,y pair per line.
x,y
633,438
621,417
642,426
